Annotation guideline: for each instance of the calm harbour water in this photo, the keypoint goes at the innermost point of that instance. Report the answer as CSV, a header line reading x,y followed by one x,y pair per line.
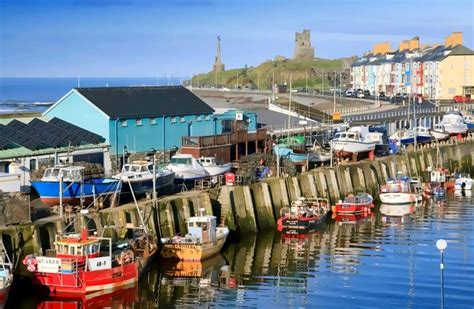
x,y
388,260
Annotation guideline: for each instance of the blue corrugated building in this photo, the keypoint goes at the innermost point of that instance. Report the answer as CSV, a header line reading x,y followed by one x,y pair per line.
x,y
141,118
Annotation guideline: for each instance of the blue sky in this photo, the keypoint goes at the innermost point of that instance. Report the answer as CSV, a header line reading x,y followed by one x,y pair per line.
x,y
127,38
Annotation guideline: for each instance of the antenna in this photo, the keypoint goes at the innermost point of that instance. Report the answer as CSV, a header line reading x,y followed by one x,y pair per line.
x,y
78,81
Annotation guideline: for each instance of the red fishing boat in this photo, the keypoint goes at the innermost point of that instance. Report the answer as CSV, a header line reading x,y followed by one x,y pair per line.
x,y
355,204
303,216
81,263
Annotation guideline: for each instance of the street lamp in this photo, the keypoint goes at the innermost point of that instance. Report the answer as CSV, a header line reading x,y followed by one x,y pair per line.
x,y
441,244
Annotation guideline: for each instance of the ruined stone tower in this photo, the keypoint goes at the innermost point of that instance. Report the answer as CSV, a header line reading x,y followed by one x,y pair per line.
x,y
303,49
218,65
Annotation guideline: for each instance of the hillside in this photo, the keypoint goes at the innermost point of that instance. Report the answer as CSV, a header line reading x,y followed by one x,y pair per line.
x,y
261,76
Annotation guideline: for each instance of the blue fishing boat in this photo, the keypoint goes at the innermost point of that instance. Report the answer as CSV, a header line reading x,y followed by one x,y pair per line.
x,y
292,154
74,187
423,135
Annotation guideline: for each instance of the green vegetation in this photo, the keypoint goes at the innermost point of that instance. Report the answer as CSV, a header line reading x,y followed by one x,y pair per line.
x,y
302,72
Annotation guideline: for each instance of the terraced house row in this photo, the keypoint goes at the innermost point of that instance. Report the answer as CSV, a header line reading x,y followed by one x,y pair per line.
x,y
438,72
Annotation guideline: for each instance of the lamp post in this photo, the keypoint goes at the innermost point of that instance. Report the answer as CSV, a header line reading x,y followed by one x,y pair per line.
x,y
441,244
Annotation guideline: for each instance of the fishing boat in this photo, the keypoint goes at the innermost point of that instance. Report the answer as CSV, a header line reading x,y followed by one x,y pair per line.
x,y
453,123
399,191
469,121
303,216
75,189
320,154
138,176
423,135
352,142
294,155
187,169
439,133
353,204
463,182
6,275
83,263
403,137
214,168
203,240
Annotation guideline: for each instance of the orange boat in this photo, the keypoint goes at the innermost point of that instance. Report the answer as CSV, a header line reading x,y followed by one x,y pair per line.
x,y
79,264
204,239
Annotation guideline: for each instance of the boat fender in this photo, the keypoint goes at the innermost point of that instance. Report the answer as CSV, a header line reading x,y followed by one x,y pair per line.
x,y
30,262
125,257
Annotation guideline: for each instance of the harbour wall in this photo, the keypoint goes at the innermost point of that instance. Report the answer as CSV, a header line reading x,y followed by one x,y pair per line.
x,y
244,209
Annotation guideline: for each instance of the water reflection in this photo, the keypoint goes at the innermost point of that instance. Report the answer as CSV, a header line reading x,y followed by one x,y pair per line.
x,y
354,261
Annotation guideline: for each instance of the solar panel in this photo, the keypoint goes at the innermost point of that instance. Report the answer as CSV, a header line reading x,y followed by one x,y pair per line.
x,y
17,125
85,135
21,138
40,130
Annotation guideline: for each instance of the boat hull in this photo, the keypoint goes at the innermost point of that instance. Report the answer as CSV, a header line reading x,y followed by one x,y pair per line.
x,y
74,191
423,138
140,187
401,198
440,136
351,208
192,251
299,225
343,148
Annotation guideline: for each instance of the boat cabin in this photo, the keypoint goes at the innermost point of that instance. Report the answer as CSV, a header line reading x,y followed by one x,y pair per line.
x,y
203,228
137,169
423,130
181,160
75,246
68,173
348,136
207,161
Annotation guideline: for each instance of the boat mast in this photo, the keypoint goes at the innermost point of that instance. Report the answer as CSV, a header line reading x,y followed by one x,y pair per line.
x,y
289,111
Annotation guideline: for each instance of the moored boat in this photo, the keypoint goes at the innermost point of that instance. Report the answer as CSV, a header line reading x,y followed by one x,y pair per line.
x,y
187,169
463,182
469,121
352,142
83,263
360,203
439,133
400,191
203,240
75,189
303,216
453,123
138,176
423,135
214,168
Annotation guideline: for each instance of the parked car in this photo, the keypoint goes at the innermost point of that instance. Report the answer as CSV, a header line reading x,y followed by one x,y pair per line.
x,y
349,93
360,95
366,92
382,94
461,99
404,96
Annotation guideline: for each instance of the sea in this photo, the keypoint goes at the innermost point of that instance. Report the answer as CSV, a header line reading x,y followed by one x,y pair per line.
x,y
35,94
388,259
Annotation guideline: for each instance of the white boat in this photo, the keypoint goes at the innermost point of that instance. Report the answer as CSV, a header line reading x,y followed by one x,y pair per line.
x,y
214,168
463,182
469,121
423,135
353,141
139,175
186,169
400,191
453,123
403,137
439,133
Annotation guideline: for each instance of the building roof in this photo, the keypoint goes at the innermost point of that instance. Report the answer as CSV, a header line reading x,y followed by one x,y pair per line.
x,y
37,134
460,50
135,102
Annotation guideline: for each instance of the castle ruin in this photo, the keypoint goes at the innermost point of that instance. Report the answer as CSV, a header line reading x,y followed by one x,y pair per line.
x,y
218,65
303,49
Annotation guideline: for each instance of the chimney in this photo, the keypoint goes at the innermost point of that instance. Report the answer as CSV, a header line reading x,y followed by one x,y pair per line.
x,y
414,43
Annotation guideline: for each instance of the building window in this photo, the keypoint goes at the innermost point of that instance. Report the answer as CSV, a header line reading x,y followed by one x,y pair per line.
x,y
198,118
152,120
174,119
123,123
207,117
182,119
33,165
138,122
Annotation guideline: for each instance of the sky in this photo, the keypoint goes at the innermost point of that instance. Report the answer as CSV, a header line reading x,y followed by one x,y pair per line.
x,y
138,38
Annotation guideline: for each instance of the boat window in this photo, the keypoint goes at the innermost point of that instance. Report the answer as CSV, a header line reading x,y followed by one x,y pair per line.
x,y
204,226
343,135
150,167
180,160
47,173
72,250
338,135
79,250
126,168
59,248
143,169
135,168
55,172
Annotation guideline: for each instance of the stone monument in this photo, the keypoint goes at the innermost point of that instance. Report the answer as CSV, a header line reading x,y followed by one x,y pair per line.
x,y
303,49
218,65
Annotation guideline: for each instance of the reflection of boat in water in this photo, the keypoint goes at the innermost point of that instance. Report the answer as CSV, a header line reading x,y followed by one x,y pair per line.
x,y
203,240
463,182
396,213
351,218
463,193
174,268
124,297
303,216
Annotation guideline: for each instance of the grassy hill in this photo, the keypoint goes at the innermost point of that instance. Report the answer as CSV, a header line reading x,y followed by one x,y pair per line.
x,y
262,75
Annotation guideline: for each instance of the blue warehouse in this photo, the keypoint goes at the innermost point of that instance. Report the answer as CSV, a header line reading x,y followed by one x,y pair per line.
x,y
138,119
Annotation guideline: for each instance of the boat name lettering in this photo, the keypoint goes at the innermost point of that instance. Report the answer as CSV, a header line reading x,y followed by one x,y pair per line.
x,y
48,264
